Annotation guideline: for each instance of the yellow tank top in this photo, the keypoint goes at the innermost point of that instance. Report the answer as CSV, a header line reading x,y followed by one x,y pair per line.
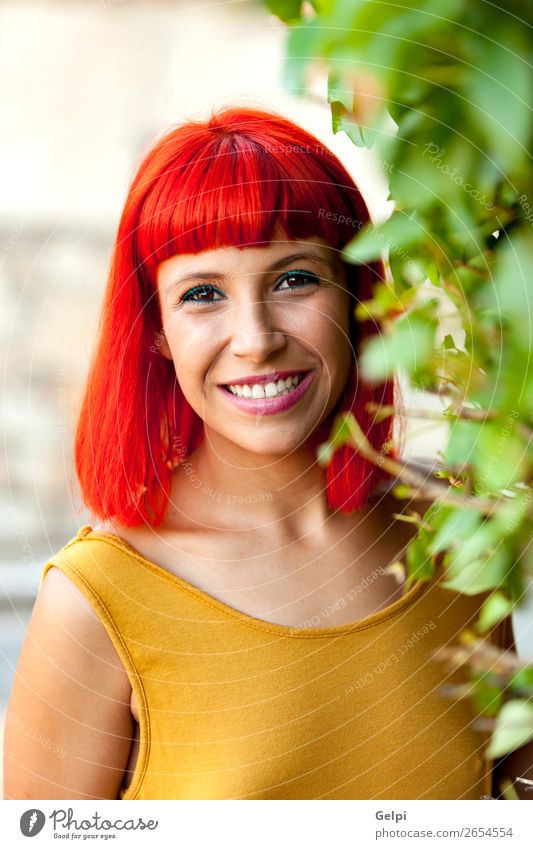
x,y
234,707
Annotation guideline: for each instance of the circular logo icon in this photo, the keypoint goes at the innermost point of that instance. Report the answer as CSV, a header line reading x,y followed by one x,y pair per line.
x,y
31,822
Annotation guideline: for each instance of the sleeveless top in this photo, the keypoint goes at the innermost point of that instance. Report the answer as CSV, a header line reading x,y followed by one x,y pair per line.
x,y
235,707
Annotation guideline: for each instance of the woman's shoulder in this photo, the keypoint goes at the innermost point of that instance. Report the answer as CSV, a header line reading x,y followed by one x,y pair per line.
x,y
140,539
73,565
71,593
70,589
62,598
68,673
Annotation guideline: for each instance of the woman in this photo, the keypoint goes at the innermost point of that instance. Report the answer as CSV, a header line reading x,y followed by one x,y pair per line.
x,y
230,629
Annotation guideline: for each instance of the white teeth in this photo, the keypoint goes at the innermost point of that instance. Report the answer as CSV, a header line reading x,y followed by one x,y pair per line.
x,y
268,390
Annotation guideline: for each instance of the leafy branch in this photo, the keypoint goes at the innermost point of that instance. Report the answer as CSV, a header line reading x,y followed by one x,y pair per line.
x,y
441,94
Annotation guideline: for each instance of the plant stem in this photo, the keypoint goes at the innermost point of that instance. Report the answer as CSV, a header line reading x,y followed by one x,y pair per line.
x,y
406,474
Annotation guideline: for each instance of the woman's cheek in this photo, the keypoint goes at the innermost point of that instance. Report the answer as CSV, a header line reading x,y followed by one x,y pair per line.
x,y
194,355
190,341
331,336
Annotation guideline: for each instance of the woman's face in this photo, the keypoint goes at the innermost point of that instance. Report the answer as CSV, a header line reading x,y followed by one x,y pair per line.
x,y
248,318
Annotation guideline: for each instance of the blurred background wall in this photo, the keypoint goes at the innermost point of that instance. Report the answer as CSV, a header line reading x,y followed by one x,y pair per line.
x,y
85,87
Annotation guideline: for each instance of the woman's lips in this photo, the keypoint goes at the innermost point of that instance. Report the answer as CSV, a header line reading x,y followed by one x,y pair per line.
x,y
261,379
269,406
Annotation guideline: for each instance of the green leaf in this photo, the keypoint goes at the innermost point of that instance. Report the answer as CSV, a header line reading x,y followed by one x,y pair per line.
x,y
511,290
402,491
460,447
480,575
514,511
476,545
385,300
470,536
459,525
508,791
345,431
397,263
343,102
499,456
408,346
434,273
420,566
339,94
522,681
399,231
514,728
495,608
325,454
286,10
488,696
498,86
341,121
341,432
304,42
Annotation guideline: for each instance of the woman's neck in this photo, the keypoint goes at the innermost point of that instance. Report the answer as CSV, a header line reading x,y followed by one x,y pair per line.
x,y
222,485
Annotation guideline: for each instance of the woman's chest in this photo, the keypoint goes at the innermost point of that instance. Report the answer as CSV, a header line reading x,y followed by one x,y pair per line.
x,y
300,584
361,714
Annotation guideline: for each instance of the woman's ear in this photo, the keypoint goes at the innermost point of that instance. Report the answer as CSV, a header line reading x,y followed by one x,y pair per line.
x,y
161,345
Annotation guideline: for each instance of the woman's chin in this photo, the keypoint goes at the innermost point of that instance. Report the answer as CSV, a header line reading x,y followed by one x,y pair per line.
x,y
269,445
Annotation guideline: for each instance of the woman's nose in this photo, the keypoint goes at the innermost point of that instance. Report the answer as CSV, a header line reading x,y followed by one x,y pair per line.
x,y
254,334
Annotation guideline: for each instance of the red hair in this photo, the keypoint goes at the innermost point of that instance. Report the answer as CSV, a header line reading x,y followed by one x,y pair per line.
x,y
225,181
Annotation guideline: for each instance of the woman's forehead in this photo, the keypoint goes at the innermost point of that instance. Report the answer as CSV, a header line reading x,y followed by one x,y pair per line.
x,y
250,258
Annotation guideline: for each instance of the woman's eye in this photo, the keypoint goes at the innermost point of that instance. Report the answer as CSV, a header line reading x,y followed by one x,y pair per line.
x,y
298,279
200,294
206,293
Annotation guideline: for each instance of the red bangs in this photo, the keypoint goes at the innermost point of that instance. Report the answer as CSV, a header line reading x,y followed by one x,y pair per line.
x,y
229,189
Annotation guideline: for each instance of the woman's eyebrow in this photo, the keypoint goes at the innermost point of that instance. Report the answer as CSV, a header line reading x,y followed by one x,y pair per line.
x,y
279,263
285,260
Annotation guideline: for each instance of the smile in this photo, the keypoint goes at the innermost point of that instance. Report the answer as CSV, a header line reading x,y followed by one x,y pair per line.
x,y
268,398
266,390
